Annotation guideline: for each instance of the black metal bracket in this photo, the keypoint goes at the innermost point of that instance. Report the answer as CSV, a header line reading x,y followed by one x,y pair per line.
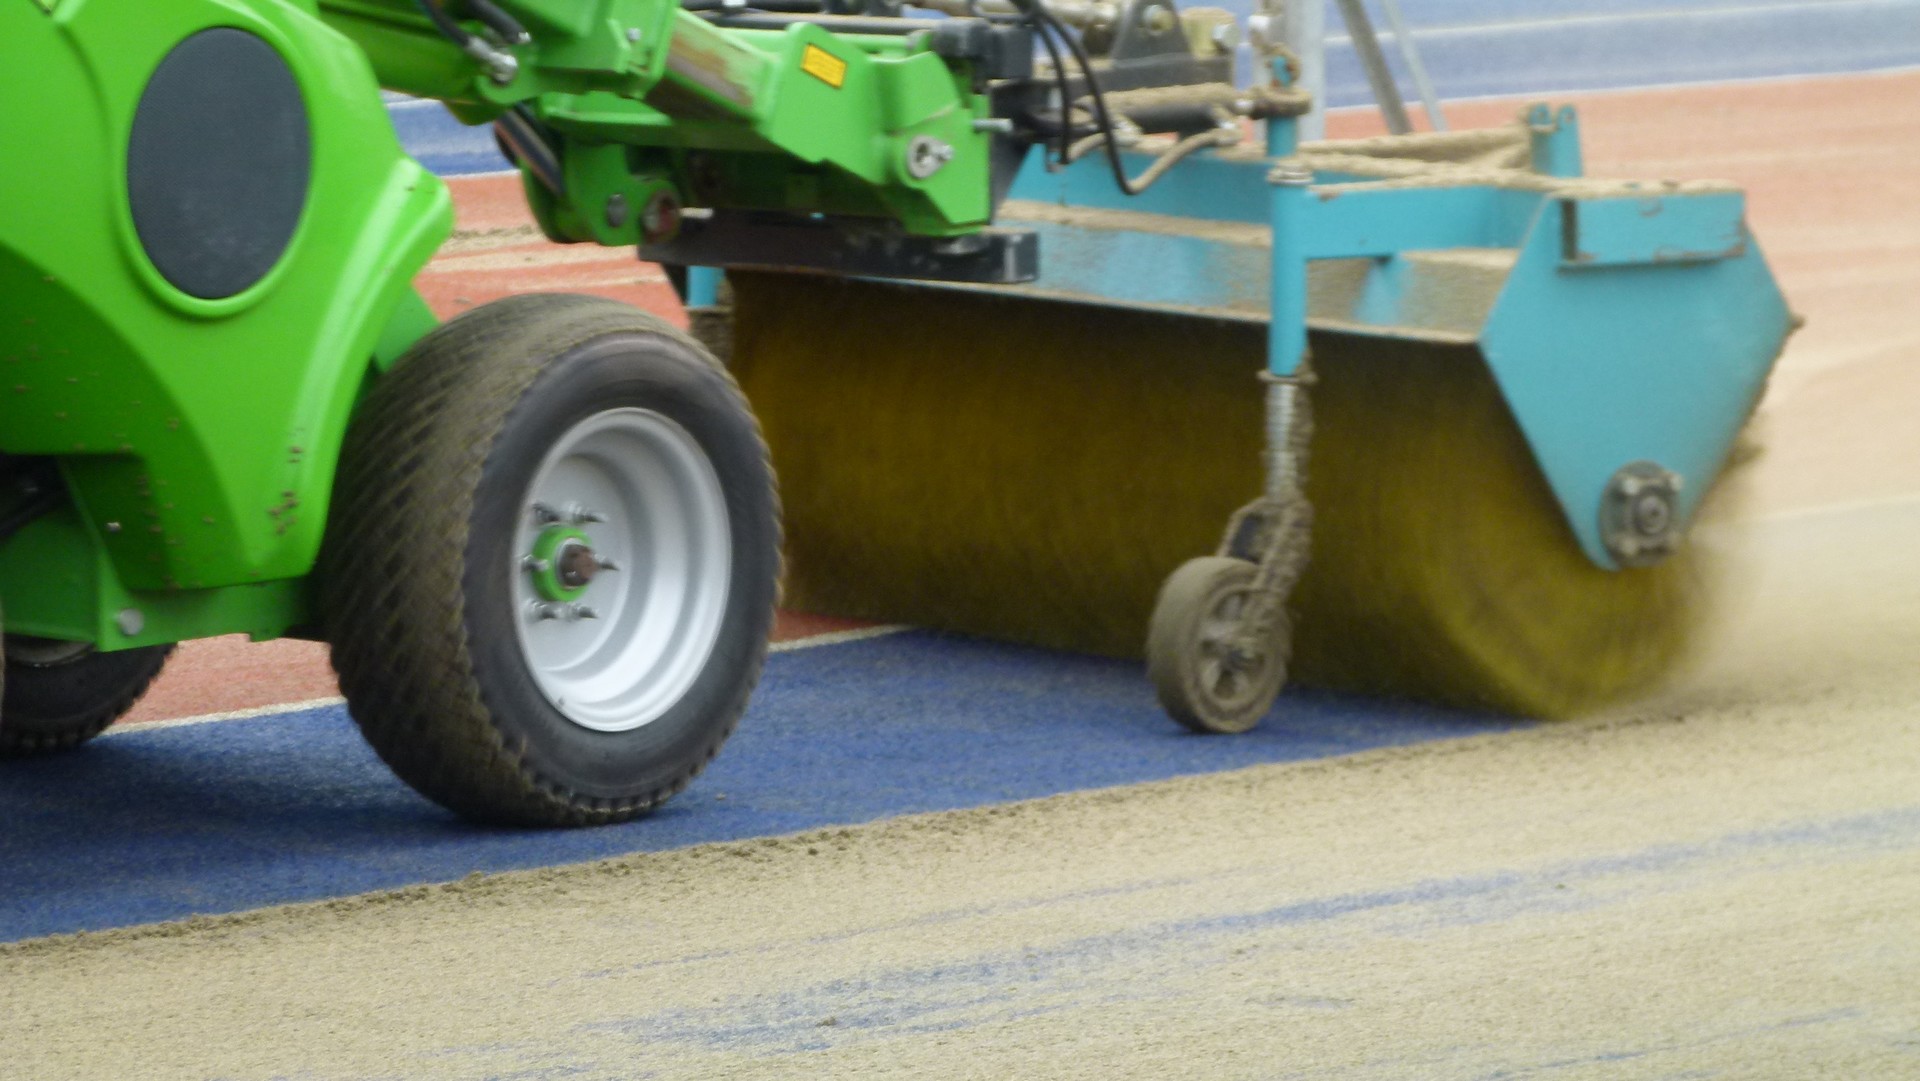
x,y
1147,46
996,50
855,247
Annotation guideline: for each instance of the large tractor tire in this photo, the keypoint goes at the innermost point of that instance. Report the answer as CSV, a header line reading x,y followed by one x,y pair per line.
x,y
550,574
59,695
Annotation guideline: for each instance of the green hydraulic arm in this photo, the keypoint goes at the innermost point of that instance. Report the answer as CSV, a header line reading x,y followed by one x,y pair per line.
x,y
649,108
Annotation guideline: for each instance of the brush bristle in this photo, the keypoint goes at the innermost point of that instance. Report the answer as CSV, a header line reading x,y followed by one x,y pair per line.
x,y
1032,471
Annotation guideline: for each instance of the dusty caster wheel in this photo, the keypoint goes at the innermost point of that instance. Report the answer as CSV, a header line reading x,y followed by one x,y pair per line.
x,y
1211,670
550,575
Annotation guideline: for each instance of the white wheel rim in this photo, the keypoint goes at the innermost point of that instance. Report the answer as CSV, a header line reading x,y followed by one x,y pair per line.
x,y
642,490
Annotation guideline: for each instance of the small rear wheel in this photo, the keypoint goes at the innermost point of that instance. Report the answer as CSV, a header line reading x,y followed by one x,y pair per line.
x,y
59,695
1208,676
551,571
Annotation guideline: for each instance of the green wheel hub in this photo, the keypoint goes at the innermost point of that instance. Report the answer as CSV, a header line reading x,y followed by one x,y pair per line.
x,y
562,563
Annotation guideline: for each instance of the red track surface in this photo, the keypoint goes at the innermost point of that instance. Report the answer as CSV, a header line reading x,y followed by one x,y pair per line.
x,y
1827,164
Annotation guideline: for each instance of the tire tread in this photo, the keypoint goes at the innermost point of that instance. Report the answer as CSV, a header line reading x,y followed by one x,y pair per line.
x,y
392,565
72,731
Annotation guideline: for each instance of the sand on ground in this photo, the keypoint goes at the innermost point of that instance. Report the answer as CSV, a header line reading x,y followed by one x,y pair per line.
x,y
1721,882
1725,880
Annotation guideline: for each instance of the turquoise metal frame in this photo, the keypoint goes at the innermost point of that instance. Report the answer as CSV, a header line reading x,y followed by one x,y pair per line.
x,y
1623,323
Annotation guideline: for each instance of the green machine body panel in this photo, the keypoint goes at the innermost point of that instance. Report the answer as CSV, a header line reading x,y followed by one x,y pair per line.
x,y
196,430
197,436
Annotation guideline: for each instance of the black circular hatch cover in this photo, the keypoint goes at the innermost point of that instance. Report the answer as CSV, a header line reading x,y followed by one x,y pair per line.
x,y
218,163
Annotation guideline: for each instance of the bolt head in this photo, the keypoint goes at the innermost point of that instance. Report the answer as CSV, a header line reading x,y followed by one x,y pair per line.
x,y
660,220
926,156
1652,514
575,565
1640,513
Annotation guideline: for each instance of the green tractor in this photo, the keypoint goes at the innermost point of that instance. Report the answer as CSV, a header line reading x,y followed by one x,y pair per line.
x,y
543,539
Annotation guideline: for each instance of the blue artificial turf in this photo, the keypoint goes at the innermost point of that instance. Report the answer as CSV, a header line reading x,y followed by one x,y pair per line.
x,y
157,824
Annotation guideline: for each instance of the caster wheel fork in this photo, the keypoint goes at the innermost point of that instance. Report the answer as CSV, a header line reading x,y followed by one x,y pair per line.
x,y
1220,639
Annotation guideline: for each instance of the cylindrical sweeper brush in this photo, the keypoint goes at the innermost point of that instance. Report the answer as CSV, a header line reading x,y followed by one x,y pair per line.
x,y
1032,471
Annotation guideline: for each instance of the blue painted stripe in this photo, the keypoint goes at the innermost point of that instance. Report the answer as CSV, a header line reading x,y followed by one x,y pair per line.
x,y
911,1000
160,824
1494,48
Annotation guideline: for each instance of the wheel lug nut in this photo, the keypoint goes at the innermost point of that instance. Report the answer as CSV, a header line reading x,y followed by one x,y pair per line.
x,y
544,514
582,611
542,610
584,515
534,564
608,565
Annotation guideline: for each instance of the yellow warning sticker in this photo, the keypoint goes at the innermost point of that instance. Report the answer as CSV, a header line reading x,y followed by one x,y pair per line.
x,y
824,66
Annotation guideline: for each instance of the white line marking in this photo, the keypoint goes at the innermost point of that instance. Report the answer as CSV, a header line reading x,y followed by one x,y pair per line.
x,y
1691,15
229,715
832,638
835,638
1641,88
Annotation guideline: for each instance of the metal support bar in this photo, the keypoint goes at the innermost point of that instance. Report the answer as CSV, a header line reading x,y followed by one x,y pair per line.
x,y
703,286
1287,331
1416,68
1304,29
1286,412
1285,132
1367,44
